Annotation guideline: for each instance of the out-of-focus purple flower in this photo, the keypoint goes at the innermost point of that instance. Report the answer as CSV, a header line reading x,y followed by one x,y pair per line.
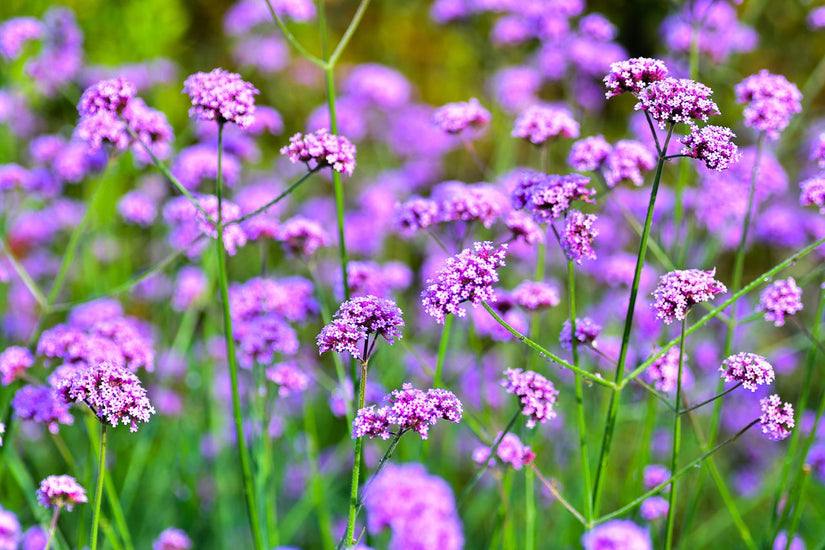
x,y
350,114
143,75
40,404
777,418
152,129
749,369
35,538
781,540
288,377
680,290
709,26
378,85
469,276
14,33
188,223
302,236
523,227
663,373
653,508
199,162
589,154
60,492
455,118
245,15
14,176
516,88
816,20
673,100
409,409
547,197
818,150
617,534
355,321
113,393
540,123
780,299
102,127
415,214
2,431
61,53
626,161
138,208
268,54
13,361
813,192
770,102
712,145
510,451
110,96
587,331
292,298
597,27
534,296
376,279
321,149
221,96
654,475
577,236
633,75
536,393
458,201
9,530
172,539
190,287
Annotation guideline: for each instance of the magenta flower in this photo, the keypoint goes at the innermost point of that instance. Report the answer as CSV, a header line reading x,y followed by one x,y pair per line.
x,y
40,404
626,161
673,100
712,145
109,96
540,123
589,154
777,418
14,33
454,118
13,361
415,214
288,377
534,296
749,369
813,193
321,149
586,332
523,227
172,539
221,96
780,299
537,394
510,451
633,75
680,290
654,508
547,197
770,102
577,236
617,534
663,373
60,492
302,236
358,319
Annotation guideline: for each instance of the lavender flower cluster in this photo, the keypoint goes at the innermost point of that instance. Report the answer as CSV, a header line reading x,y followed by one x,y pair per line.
x,y
536,394
358,319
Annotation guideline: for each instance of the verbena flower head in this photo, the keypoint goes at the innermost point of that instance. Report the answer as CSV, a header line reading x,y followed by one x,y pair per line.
x,y
586,332
321,149
589,154
378,85
288,377
633,75
467,277
680,290
510,451
533,296
673,100
454,118
617,534
221,96
770,102
712,145
138,208
537,394
458,201
60,492
547,197
577,236
415,214
358,319
13,361
302,236
9,530
409,409
780,299
654,475
653,508
107,95
813,192
522,226
113,393
626,161
777,418
172,539
14,33
748,368
540,123
663,373
40,404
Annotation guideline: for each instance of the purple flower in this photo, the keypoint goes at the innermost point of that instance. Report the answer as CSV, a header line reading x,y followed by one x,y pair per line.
x,y
781,540
40,404
586,333
60,492
172,539
633,75
680,290
749,369
626,161
770,102
536,394
516,88
780,299
371,278
9,530
302,236
415,214
589,154
221,96
709,26
617,534
454,118
356,320
577,236
190,287
663,373
378,85
290,297
712,145
510,451
547,197
654,475
469,276
816,20
777,418
138,208
675,100
113,393
110,96
13,361
540,123
523,226
35,538
534,296
288,377
14,34
813,192
103,127
194,164
321,149
654,508
152,129
458,201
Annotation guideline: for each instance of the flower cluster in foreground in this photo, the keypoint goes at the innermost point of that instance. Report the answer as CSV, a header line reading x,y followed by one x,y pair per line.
x,y
355,321
535,392
680,290
60,492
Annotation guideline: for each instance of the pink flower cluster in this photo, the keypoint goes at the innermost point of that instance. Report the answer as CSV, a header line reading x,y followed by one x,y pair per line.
x,y
537,394
221,96
321,149
60,492
749,369
680,290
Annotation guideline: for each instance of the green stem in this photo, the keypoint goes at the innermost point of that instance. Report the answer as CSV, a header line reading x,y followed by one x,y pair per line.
x,y
348,34
294,41
613,407
442,351
529,510
712,399
52,527
317,482
356,465
797,508
677,442
274,201
555,492
240,438
101,467
547,354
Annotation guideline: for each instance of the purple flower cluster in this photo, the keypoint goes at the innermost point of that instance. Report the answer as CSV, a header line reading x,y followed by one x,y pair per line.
x,y
547,197
709,27
321,149
9,530
221,96
673,100
366,278
653,508
378,85
523,227
588,154
467,277
712,145
455,118
13,361
577,236
409,409
458,201
587,331
415,214
633,75
617,534
777,418
41,405
770,102
188,223
540,123
14,34
60,492
749,369
138,208
536,393
510,451
355,321
780,299
626,161
680,290
534,296
113,393
302,236
172,539
110,96
663,373
813,192
288,377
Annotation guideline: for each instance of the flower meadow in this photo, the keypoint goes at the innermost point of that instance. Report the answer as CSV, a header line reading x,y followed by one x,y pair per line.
x,y
506,274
